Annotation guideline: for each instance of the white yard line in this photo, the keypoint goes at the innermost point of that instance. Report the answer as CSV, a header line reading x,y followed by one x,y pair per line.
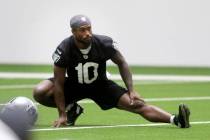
x,y
25,75
16,86
161,99
165,77
87,101
112,126
20,86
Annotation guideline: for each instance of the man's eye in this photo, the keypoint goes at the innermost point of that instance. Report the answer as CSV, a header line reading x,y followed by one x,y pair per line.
x,y
82,30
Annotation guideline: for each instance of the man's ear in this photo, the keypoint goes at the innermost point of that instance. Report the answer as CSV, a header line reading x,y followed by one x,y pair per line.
x,y
73,30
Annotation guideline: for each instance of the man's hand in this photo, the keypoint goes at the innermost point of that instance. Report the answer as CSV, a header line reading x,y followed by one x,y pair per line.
x,y
61,121
133,96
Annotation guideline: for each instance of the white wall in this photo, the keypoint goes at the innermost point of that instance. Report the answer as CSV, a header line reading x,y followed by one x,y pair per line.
x,y
149,32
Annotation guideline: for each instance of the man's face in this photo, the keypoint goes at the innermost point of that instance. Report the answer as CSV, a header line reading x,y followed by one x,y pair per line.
x,y
83,34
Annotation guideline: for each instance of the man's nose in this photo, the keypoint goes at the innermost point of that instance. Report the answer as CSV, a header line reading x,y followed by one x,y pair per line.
x,y
88,33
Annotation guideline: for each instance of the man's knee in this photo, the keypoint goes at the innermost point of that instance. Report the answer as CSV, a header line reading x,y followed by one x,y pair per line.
x,y
38,92
137,104
42,90
134,107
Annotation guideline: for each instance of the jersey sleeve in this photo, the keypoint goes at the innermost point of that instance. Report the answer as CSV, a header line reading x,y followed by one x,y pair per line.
x,y
110,49
59,56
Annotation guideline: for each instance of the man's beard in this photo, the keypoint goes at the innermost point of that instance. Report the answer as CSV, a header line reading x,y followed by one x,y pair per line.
x,y
86,43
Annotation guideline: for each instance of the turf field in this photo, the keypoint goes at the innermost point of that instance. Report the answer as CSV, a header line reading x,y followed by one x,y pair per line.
x,y
114,124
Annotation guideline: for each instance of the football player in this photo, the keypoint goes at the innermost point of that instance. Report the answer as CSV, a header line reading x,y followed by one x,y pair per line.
x,y
83,57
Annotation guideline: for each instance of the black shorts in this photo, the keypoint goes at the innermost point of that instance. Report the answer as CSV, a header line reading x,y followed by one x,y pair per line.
x,y
104,93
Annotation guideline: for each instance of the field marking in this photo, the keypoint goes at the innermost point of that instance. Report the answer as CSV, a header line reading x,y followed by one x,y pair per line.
x,y
135,82
20,86
29,75
112,126
16,86
87,101
25,75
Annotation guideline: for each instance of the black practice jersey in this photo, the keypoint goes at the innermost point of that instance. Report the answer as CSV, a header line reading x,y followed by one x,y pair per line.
x,y
85,68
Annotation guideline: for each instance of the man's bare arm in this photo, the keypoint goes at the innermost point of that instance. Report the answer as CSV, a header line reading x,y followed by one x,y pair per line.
x,y
124,70
59,75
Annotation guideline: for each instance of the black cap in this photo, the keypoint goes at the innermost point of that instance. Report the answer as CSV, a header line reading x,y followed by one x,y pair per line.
x,y
79,20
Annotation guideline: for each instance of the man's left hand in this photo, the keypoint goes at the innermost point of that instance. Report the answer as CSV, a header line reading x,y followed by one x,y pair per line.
x,y
133,96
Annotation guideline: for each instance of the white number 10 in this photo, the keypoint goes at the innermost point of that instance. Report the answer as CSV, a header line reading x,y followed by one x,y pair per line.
x,y
83,75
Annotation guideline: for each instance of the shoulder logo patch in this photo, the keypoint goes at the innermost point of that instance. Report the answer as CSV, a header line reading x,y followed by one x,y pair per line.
x,y
56,55
115,45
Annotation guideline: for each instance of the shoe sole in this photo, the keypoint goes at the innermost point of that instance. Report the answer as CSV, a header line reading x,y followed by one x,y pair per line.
x,y
184,110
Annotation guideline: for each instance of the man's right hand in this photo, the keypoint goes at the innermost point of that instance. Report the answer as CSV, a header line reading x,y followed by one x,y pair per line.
x,y
61,121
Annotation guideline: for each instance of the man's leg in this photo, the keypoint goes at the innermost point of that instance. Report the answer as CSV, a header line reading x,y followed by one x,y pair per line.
x,y
43,93
153,113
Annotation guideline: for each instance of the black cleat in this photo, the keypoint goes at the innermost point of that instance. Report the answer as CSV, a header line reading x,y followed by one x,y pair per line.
x,y
73,112
182,119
